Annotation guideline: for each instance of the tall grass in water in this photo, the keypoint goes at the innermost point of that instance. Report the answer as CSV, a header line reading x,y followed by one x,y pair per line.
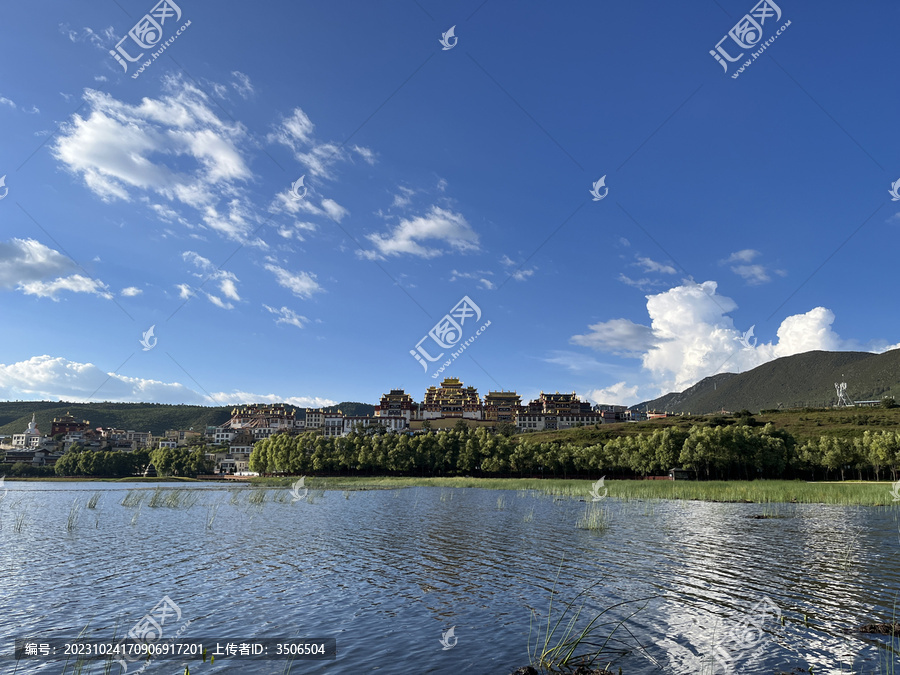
x,y
561,645
594,518
501,503
173,498
211,511
72,521
92,502
133,498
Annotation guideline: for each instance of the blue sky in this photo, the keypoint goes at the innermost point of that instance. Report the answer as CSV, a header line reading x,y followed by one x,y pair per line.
x,y
431,174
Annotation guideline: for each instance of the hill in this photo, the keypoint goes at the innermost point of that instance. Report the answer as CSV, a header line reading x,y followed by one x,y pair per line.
x,y
352,409
154,417
802,380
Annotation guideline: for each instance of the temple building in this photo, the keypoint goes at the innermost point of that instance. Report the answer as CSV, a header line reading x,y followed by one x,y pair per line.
x,y
502,406
66,424
451,399
397,404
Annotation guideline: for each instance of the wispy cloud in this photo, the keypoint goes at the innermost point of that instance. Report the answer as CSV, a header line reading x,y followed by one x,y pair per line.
x,y
437,232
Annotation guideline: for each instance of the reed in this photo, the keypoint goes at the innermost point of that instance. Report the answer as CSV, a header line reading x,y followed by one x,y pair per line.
x,y
92,502
757,491
594,518
257,497
561,646
133,498
529,517
501,504
211,511
72,521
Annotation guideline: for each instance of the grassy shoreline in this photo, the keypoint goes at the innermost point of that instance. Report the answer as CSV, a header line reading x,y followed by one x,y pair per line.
x,y
849,493
758,492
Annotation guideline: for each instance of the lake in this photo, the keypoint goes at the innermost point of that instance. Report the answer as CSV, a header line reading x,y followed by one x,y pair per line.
x,y
387,573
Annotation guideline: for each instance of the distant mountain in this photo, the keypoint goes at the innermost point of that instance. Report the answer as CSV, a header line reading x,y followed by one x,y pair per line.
x,y
154,417
351,409
802,380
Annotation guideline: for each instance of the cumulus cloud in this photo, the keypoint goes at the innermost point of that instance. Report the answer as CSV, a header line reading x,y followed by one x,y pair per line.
x,y
55,378
131,291
173,147
692,336
617,394
35,269
437,232
301,284
618,336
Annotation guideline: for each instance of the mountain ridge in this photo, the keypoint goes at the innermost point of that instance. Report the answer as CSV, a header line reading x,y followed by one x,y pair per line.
x,y
800,380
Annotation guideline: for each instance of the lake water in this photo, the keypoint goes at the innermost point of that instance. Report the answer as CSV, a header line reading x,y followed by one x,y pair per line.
x,y
386,573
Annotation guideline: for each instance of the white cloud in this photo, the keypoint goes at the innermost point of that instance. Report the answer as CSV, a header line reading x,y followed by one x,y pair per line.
x,y
30,267
522,275
692,336
24,260
6,101
184,291
242,84
173,147
365,153
649,265
754,274
616,394
74,284
404,198
288,316
131,291
301,284
334,210
642,284
487,284
619,336
450,231
56,378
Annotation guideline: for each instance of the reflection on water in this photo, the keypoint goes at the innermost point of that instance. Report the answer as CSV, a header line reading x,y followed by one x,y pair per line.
x,y
387,572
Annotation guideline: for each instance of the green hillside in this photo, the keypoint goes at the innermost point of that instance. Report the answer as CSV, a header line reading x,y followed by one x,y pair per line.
x,y
154,417
802,380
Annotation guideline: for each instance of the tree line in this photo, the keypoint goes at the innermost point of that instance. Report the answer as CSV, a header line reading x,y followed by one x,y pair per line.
x,y
742,451
78,461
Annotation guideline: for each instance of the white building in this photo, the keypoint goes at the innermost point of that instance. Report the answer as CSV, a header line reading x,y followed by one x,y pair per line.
x,y
32,437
